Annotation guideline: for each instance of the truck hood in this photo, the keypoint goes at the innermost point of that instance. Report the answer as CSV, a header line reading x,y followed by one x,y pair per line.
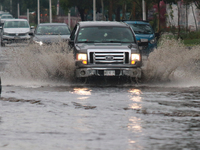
x,y
85,46
16,30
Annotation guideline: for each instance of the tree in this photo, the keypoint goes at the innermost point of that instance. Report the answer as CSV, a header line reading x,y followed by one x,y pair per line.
x,y
82,6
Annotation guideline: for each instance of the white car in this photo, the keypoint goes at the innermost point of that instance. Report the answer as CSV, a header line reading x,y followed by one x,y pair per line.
x,y
15,31
5,17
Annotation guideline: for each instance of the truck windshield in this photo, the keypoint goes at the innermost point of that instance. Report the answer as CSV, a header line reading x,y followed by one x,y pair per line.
x,y
105,35
142,28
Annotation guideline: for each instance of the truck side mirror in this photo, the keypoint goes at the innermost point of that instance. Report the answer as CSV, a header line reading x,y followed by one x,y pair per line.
x,y
71,43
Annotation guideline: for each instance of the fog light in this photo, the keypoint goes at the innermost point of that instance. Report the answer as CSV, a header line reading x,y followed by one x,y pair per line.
x,y
132,62
82,72
84,62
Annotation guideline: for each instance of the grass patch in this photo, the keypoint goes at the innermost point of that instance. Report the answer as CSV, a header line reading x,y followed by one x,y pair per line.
x,y
191,42
187,38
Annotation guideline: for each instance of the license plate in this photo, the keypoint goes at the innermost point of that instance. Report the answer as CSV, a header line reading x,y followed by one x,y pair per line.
x,y
144,40
109,72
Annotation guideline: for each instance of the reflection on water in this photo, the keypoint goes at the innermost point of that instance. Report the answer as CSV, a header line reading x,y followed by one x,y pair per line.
x,y
82,91
135,91
135,106
136,98
82,98
134,124
131,141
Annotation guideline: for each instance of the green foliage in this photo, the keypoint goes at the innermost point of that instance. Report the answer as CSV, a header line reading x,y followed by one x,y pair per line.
x,y
191,42
190,35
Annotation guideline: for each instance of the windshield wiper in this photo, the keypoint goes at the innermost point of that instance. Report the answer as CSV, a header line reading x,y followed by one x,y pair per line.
x,y
86,42
111,41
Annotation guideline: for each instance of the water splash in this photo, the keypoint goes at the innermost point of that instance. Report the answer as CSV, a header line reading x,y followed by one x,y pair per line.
x,y
173,61
39,63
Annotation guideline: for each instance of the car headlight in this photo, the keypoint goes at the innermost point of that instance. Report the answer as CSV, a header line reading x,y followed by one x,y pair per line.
x,y
153,41
134,58
82,57
39,42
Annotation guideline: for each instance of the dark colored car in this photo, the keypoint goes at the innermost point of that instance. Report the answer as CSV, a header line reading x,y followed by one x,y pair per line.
x,y
48,33
104,48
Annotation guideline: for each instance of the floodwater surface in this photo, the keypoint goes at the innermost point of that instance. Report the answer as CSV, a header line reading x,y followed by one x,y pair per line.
x,y
42,107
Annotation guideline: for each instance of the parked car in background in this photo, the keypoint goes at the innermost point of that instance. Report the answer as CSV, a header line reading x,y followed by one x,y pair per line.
x,y
145,35
49,33
5,17
105,49
3,13
15,31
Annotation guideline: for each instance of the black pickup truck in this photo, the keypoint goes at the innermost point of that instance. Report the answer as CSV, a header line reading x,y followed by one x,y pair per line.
x,y
105,48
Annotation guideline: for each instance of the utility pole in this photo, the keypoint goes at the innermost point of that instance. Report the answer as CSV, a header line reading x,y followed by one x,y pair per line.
x,y
57,13
94,10
28,15
69,19
10,6
50,12
18,12
102,5
144,10
38,11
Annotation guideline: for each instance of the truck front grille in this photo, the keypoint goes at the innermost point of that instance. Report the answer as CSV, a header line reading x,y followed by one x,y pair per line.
x,y
109,57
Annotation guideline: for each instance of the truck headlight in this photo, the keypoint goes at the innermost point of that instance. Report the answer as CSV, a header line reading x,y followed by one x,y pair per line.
x,y
153,41
82,57
134,58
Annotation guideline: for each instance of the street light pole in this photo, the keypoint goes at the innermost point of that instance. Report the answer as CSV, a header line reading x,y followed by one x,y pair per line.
x,y
28,15
10,6
18,11
50,12
94,10
38,11
144,10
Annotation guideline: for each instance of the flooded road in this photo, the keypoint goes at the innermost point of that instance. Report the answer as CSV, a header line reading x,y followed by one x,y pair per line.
x,y
43,108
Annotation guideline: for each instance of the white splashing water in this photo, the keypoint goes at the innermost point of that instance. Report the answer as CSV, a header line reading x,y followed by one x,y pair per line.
x,y
172,62
39,64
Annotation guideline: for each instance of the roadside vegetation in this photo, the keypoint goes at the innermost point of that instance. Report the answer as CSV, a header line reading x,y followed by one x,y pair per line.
x,y
188,38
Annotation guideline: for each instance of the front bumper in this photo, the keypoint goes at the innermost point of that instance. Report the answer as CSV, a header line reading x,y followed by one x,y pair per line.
x,y
88,72
15,39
